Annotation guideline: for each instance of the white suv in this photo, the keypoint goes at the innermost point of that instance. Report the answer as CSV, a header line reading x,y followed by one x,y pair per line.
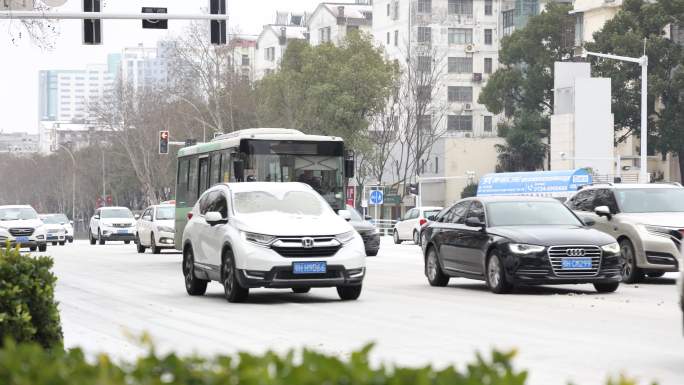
x,y
273,235
112,224
21,226
155,228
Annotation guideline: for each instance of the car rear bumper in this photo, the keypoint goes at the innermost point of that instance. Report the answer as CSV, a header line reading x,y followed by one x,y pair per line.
x,y
282,277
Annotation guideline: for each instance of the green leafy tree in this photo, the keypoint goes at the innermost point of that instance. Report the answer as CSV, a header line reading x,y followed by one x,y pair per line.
x,y
328,89
523,87
639,26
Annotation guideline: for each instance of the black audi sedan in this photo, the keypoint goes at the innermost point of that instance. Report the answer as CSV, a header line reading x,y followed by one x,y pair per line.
x,y
511,241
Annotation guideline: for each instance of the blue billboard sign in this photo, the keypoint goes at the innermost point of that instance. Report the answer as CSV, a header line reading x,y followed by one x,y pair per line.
x,y
538,183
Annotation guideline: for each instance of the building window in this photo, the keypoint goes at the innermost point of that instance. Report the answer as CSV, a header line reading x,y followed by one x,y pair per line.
x,y
396,38
245,60
460,123
270,54
388,9
462,94
424,6
461,7
324,35
677,33
460,65
488,124
424,93
508,21
488,7
488,65
424,35
389,38
424,63
460,36
488,36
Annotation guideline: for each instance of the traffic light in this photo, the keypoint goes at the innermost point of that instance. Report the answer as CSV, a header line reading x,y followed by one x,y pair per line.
x,y
412,189
92,28
154,23
163,142
218,27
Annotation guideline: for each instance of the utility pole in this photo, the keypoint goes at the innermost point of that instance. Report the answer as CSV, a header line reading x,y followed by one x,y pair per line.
x,y
73,181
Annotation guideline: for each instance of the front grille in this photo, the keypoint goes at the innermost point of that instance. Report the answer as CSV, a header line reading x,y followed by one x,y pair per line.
x,y
54,231
532,271
122,225
558,253
292,247
21,231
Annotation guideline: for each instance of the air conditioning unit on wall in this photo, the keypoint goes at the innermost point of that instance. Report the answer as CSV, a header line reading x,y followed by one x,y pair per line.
x,y
468,107
470,48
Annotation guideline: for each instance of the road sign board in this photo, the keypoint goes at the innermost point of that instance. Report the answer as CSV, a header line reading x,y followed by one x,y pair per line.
x,y
392,199
376,197
154,23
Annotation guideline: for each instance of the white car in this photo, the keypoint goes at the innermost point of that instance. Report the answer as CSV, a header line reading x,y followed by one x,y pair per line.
x,y
112,224
21,226
54,229
68,226
155,228
408,228
273,235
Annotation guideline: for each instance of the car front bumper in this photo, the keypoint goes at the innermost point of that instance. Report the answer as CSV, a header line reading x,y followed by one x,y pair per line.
x,y
536,270
33,242
56,237
165,240
282,277
657,253
116,235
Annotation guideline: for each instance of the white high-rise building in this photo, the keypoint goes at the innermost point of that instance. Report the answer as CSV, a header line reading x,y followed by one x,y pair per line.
x,y
145,66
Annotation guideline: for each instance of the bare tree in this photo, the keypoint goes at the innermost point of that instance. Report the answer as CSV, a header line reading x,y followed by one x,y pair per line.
x,y
40,32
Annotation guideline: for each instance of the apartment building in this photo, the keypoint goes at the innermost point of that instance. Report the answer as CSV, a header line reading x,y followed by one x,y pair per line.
x,y
145,66
331,22
243,52
274,38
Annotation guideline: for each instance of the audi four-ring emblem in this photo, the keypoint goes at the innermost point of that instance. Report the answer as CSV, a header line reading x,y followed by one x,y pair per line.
x,y
575,252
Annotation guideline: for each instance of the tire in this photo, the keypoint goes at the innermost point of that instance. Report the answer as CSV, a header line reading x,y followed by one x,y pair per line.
x,y
433,270
301,290
655,274
153,245
349,293
127,242
54,243
138,245
62,243
416,238
496,276
100,240
193,285
630,272
232,290
397,241
33,249
372,253
42,248
606,287
90,237
71,240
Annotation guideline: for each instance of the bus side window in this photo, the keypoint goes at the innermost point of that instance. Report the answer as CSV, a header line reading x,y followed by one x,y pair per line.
x,y
215,168
226,169
182,185
203,175
193,182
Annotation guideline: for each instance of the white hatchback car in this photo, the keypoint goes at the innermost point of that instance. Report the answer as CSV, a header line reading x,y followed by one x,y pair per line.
x,y
156,228
273,235
408,228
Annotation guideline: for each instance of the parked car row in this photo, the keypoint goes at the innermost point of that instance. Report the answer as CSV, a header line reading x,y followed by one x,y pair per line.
x,y
21,225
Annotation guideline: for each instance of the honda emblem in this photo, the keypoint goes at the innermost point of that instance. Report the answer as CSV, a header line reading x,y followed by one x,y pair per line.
x,y
307,243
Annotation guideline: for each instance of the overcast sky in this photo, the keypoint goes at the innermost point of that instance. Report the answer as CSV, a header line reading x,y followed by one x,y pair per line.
x,y
21,60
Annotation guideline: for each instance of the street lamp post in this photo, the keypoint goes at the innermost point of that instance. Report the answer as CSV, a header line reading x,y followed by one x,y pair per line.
x,y
643,62
73,181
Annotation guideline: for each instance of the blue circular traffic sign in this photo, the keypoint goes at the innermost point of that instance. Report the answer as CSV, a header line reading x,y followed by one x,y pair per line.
x,y
376,197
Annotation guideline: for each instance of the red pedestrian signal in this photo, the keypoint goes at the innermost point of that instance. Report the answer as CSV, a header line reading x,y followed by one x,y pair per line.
x,y
163,142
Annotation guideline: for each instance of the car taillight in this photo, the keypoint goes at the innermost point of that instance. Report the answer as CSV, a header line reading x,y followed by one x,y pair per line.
x,y
189,215
422,221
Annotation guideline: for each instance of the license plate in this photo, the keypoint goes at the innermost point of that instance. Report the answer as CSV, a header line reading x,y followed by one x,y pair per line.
x,y
309,267
122,232
576,263
22,239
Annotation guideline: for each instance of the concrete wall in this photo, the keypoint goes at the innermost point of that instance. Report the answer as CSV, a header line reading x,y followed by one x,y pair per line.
x,y
594,130
464,155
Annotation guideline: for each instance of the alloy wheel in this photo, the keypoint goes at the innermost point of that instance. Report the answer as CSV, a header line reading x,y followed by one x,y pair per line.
x,y
189,269
494,271
228,277
432,266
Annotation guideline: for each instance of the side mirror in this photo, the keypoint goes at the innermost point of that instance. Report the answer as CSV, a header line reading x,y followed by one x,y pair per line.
x,y
588,221
71,223
136,216
474,222
345,214
603,211
214,218
96,217
239,169
431,218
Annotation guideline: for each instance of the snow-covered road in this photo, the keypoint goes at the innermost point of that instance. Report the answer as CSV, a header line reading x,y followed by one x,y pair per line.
x,y
109,293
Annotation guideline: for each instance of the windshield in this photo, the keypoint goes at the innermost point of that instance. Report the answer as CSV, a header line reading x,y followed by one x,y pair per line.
x,y
429,213
650,200
52,220
530,213
116,213
166,213
355,216
293,202
17,213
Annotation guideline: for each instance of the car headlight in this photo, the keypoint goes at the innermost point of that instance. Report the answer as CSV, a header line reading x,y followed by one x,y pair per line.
x,y
346,237
166,229
612,248
258,239
521,248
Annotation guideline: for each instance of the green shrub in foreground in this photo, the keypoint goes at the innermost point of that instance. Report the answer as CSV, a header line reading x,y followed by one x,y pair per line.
x,y
28,311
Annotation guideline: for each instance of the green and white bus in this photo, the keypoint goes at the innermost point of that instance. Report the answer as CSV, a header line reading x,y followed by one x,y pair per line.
x,y
263,155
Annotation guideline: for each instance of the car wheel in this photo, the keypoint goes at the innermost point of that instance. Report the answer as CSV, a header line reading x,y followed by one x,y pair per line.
x,y
54,243
99,237
71,240
62,243
153,245
90,237
372,253
496,276
349,293
416,238
630,272
231,286
301,290
655,274
33,248
42,248
433,270
606,287
138,245
127,242
396,237
193,285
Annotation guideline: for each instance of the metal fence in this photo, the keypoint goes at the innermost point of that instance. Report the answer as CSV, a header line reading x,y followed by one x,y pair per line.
x,y
385,226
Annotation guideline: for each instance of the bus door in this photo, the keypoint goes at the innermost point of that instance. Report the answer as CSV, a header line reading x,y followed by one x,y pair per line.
x,y
203,175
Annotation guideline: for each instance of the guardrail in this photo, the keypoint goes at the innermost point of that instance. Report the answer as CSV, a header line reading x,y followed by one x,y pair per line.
x,y
384,226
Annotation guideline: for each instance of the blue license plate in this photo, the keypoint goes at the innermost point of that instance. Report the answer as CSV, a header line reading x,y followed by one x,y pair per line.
x,y
122,232
22,239
576,263
309,267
